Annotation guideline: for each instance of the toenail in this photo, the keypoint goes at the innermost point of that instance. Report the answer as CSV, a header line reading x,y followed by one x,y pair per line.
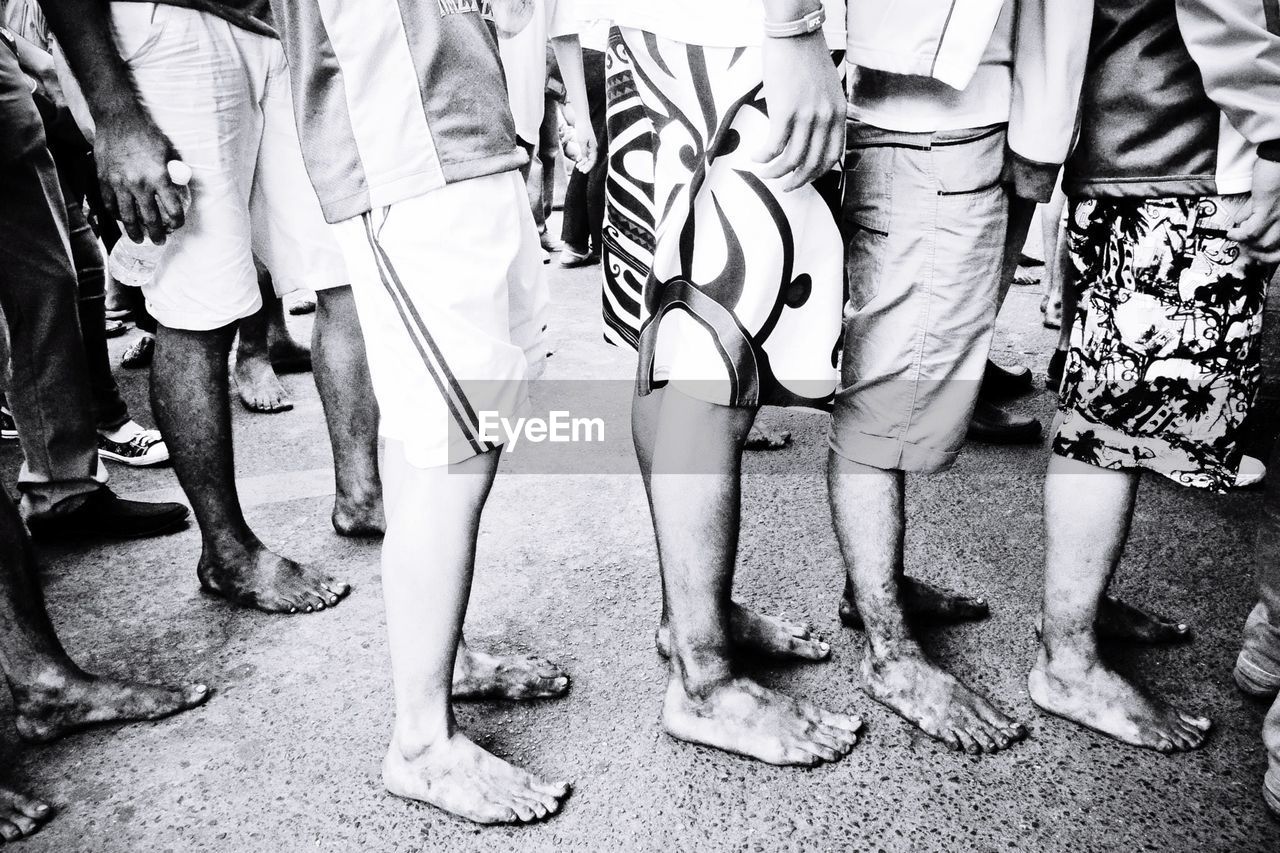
x,y
202,688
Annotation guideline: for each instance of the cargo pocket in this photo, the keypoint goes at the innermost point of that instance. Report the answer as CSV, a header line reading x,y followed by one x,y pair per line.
x,y
864,221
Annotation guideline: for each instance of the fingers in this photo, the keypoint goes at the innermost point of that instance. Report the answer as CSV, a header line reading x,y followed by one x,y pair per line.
x,y
811,147
172,210
788,167
149,214
127,213
779,133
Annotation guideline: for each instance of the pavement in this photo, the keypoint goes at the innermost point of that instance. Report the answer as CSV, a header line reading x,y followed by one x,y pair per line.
x,y
285,756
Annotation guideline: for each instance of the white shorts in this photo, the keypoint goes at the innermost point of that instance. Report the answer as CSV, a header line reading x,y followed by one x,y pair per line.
x,y
452,298
221,95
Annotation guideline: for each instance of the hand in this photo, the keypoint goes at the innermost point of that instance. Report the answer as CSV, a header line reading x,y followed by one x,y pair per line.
x,y
806,110
510,17
1258,231
132,155
584,137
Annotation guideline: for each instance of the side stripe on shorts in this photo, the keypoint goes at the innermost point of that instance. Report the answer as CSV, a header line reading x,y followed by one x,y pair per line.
x,y
459,407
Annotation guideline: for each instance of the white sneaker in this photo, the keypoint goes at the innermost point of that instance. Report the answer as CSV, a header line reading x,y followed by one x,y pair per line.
x,y
134,445
1250,473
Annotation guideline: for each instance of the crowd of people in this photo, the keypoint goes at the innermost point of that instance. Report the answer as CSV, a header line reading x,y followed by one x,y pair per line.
x,y
792,203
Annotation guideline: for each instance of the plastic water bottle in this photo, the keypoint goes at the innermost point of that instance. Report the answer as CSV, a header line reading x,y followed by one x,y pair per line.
x,y
134,264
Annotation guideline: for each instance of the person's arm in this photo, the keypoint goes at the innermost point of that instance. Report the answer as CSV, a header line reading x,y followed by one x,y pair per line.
x,y
131,151
569,57
1237,49
806,101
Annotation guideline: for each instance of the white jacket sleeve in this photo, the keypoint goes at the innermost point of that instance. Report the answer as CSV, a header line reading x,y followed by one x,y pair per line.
x,y
1051,45
1236,45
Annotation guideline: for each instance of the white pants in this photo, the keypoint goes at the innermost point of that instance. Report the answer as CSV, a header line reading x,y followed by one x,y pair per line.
x,y
221,95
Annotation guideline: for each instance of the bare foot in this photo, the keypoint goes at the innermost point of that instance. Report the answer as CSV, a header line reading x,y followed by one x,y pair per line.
x,y
461,778
742,717
21,816
359,519
938,703
1088,693
477,675
289,356
766,636
924,604
1126,623
266,581
1120,621
767,437
56,703
259,387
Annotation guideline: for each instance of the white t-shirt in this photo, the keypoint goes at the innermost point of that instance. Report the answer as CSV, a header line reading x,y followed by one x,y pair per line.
x,y
524,59
924,105
711,23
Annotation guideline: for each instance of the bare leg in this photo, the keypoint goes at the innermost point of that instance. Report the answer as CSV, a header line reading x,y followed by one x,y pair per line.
x,y
428,556
694,494
52,696
258,385
1068,287
1052,236
1087,516
752,633
287,354
189,394
351,413
867,506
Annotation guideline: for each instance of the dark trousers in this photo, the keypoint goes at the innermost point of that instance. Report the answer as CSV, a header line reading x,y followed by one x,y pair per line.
x,y
109,409
584,197
49,392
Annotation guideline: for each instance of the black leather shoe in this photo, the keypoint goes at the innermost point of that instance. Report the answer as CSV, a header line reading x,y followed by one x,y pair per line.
x,y
1004,383
993,425
106,516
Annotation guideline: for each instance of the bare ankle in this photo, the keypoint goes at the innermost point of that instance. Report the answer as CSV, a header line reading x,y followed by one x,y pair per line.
x,y
700,682
413,741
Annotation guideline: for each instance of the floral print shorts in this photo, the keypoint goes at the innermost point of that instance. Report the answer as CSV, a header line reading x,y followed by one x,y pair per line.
x,y
1164,357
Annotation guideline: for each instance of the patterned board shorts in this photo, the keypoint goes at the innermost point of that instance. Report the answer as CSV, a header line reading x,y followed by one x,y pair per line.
x,y
1164,357
728,287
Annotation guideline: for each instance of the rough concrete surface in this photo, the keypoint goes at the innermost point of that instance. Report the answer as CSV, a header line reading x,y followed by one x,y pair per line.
x,y
285,756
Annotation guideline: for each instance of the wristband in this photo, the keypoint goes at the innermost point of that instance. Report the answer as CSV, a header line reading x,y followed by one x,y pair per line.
x,y
1269,150
804,26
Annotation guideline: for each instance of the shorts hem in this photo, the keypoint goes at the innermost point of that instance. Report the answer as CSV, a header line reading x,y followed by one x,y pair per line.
x,y
200,322
889,454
